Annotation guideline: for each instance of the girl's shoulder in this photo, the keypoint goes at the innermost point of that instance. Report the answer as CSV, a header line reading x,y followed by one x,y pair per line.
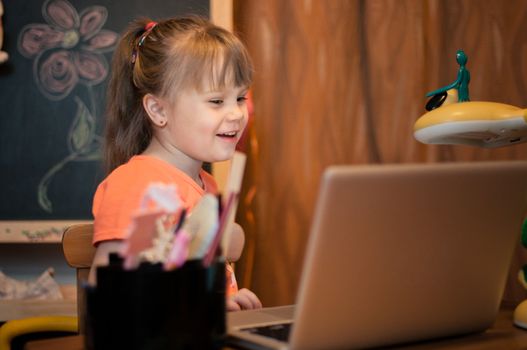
x,y
135,173
139,166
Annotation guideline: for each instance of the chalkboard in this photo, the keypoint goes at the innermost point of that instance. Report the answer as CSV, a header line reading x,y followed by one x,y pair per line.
x,y
52,98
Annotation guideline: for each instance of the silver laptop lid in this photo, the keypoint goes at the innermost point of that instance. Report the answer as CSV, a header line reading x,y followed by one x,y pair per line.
x,y
406,252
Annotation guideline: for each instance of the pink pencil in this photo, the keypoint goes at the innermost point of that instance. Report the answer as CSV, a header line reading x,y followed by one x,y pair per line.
x,y
212,252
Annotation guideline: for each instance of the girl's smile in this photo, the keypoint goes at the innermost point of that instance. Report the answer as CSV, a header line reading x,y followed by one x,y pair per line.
x,y
230,136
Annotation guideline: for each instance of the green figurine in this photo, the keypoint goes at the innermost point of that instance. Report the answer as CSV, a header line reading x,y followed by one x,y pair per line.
x,y
461,83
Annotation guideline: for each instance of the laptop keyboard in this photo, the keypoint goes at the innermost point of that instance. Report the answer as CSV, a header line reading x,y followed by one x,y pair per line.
x,y
275,331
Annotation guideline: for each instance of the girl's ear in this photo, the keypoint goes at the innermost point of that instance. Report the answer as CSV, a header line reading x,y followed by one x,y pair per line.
x,y
155,108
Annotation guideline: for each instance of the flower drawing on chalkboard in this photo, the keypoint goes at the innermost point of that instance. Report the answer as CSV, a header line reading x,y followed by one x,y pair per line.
x,y
68,49
67,52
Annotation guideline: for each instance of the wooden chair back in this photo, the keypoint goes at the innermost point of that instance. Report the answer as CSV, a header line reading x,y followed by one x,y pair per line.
x,y
79,252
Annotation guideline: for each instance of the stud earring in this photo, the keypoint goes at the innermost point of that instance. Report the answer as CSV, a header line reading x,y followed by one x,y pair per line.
x,y
162,122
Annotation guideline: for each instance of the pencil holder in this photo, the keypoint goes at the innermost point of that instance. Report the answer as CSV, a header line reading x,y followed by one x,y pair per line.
x,y
149,308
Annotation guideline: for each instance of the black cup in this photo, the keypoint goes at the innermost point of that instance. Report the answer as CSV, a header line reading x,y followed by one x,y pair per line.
x,y
148,308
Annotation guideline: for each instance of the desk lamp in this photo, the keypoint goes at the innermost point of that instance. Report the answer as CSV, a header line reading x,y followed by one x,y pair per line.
x,y
452,119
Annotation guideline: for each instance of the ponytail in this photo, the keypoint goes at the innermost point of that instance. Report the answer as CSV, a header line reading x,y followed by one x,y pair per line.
x,y
128,130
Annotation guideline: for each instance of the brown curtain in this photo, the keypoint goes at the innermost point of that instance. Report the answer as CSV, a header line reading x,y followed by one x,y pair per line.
x,y
343,81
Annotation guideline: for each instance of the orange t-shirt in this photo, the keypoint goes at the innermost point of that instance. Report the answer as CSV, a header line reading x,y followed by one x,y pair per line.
x,y
119,196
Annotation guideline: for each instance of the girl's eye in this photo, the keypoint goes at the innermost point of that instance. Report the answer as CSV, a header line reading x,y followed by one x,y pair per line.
x,y
216,101
242,98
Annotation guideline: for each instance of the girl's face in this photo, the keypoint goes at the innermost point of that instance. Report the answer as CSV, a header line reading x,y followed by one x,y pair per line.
x,y
206,125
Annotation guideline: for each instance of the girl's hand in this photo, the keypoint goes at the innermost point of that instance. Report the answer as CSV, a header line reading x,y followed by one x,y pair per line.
x,y
244,299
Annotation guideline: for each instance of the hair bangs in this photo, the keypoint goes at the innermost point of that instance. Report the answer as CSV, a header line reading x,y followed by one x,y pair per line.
x,y
209,63
231,66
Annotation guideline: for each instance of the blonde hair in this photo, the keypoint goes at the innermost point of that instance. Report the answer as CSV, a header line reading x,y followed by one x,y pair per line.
x,y
173,55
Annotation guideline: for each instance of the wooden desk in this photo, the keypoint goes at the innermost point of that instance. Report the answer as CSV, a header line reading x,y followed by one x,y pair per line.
x,y
74,342
503,335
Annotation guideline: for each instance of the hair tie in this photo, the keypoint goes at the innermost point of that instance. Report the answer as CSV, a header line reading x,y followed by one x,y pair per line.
x,y
150,25
148,28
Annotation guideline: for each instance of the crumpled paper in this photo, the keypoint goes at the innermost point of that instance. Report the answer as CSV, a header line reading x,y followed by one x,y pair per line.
x,y
43,288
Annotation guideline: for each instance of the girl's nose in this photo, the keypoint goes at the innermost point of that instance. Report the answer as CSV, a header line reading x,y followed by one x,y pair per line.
x,y
237,112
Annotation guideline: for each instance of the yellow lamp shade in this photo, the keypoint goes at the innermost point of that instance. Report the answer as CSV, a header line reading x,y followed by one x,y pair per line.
x,y
482,124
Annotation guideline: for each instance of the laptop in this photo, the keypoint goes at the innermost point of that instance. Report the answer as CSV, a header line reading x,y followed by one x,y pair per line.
x,y
397,254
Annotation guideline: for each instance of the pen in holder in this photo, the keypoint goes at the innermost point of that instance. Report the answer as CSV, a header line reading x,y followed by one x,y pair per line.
x,y
149,308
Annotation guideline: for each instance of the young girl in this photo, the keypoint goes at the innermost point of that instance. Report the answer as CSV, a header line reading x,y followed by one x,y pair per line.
x,y
176,99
